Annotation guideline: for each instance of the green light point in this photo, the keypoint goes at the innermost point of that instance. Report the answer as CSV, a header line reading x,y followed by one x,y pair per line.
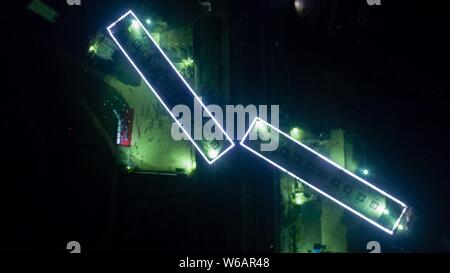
x,y
296,133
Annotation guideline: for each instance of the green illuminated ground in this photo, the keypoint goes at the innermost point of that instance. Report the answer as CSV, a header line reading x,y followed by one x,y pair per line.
x,y
153,148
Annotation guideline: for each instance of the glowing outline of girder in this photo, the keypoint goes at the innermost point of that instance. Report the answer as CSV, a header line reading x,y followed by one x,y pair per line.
x,y
184,81
319,190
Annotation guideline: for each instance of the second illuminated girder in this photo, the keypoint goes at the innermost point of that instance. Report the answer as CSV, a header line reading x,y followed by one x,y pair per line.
x,y
327,178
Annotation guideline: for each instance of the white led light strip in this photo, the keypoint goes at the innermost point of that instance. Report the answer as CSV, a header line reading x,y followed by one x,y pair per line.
x,y
210,161
390,231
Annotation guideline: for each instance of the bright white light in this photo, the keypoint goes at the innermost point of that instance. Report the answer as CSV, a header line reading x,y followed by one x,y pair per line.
x,y
399,218
212,153
210,161
365,172
317,189
259,124
148,21
299,6
135,24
